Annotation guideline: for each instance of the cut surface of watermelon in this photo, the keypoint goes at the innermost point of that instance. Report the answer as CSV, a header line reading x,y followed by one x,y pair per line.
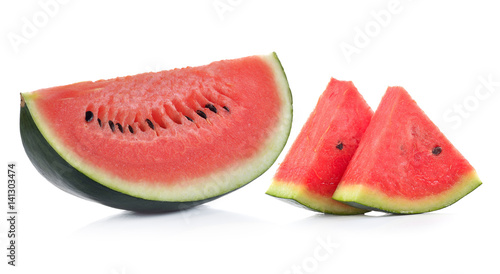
x,y
404,163
158,141
313,167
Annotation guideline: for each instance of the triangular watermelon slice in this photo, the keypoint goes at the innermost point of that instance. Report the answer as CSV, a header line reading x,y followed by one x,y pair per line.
x,y
404,164
161,141
313,167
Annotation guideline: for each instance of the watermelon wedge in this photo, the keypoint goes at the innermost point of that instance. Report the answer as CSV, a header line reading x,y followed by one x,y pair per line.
x,y
313,167
404,164
160,141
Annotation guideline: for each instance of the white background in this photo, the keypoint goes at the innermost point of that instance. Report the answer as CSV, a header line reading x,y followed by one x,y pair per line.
x,y
442,53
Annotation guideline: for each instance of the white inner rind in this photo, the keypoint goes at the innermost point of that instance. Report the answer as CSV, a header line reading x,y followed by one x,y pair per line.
x,y
195,189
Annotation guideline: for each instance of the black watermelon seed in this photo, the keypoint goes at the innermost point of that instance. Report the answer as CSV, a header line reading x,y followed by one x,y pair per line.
x,y
130,129
437,150
150,124
189,118
89,116
202,114
120,128
211,108
111,126
99,122
226,108
340,146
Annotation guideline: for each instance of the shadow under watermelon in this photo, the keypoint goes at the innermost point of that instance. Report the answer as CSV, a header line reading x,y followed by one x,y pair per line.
x,y
132,224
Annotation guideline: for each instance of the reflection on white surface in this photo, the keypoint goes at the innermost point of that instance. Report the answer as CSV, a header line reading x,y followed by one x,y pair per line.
x,y
205,238
165,224
208,239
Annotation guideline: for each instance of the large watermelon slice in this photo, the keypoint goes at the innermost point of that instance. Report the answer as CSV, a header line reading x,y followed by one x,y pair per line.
x,y
161,141
404,164
319,156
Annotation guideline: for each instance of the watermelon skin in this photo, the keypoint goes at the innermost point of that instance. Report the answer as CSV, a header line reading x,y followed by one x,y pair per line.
x,y
395,169
313,167
67,173
59,172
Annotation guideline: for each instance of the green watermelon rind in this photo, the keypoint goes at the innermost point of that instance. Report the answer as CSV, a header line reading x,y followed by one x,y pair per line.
x,y
60,173
301,197
71,174
364,197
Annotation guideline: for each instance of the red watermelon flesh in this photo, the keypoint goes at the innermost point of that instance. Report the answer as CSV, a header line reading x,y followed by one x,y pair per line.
x,y
404,163
169,105
313,167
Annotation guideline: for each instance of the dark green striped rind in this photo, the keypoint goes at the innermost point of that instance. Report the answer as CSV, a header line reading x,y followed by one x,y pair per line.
x,y
60,173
